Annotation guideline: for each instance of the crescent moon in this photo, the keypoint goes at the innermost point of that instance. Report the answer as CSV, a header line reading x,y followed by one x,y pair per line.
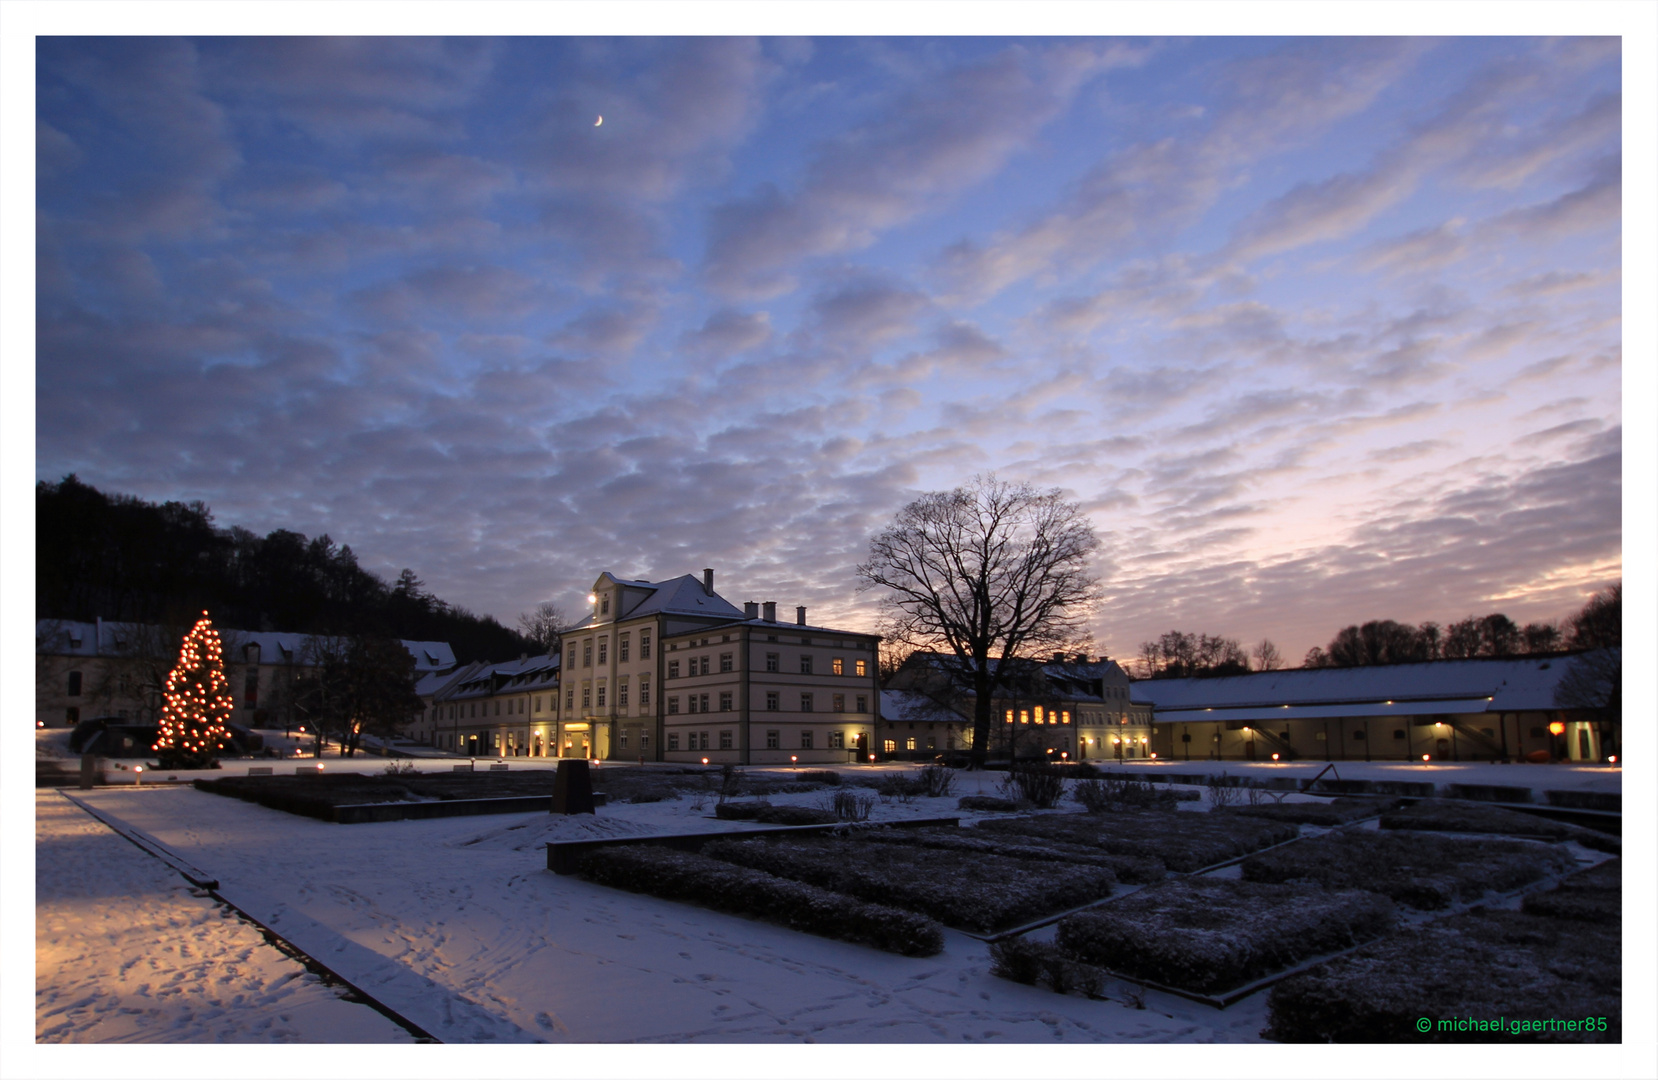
x,y
599,121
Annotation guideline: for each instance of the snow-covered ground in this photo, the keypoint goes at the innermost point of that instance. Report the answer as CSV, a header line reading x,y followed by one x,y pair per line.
x,y
1540,778
126,951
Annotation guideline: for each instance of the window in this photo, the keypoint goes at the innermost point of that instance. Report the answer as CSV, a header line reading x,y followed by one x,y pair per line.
x,y
771,740
1024,716
604,609
705,665
570,698
690,703
644,644
909,743
622,648
725,661
889,746
704,702
725,740
538,703
805,663
772,701
622,740
673,706
805,702
74,684
1398,733
1010,716
838,666
587,653
72,715
250,690
839,703
932,742
863,703
586,696
645,741
860,668
673,736
644,691
805,740
601,695
673,669
622,693
1064,716
604,650
725,701
772,661
1039,715
837,740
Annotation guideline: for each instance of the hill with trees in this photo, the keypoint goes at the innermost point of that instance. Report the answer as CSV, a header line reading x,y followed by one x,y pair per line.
x,y
121,558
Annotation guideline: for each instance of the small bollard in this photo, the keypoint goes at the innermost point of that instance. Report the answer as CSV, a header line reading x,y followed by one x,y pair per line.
x,y
573,788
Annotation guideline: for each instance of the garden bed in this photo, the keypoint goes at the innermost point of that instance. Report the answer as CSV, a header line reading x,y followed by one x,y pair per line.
x,y
1129,869
1495,968
1183,842
1335,812
972,890
737,890
1419,870
1209,935
1441,815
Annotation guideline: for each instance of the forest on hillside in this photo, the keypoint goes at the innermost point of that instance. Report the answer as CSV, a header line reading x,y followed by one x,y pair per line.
x,y
124,559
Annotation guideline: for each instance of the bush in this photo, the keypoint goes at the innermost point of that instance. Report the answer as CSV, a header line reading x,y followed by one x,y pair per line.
x,y
1483,964
986,802
795,815
741,811
1108,795
1223,790
974,891
399,768
1033,962
1594,895
820,776
1335,812
1037,783
1184,842
848,805
938,781
1442,815
731,781
680,875
1419,870
1209,935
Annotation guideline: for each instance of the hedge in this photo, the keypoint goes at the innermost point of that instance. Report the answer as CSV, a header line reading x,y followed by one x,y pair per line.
x,y
1129,869
1445,816
1419,870
1335,812
1483,965
698,879
1594,895
1184,842
987,803
971,890
1209,935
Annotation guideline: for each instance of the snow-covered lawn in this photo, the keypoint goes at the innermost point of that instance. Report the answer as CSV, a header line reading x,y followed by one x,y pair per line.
x,y
125,952
465,908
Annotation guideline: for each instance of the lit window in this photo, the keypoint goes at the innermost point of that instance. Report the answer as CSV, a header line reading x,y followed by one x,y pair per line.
x,y
1064,716
838,666
1010,716
1024,717
888,746
909,743
1039,719
860,668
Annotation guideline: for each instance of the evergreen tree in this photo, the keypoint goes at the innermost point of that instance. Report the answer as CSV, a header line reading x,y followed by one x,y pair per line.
x,y
193,720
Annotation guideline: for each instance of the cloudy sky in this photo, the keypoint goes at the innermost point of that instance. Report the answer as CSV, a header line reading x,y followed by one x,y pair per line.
x,y
1316,330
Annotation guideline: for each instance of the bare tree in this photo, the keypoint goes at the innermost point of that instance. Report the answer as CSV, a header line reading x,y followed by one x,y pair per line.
x,y
545,626
985,574
1267,656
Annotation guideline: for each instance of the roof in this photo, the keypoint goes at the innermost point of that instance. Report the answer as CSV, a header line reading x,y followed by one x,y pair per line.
x,y
1509,684
902,705
60,637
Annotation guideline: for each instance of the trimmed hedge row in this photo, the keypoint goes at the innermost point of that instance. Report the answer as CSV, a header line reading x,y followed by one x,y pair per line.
x,y
1336,812
698,879
1595,895
1183,842
988,803
764,813
1129,869
1209,935
971,890
1419,870
1484,965
1443,816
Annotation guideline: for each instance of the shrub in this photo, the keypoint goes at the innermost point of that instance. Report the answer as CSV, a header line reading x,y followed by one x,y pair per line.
x,y
974,891
900,787
1594,895
1032,962
1335,812
938,781
795,815
848,805
1133,870
1108,795
740,811
986,802
1037,783
680,875
1210,935
1184,842
731,781
1419,870
820,776
1483,964
1223,790
1442,815
399,768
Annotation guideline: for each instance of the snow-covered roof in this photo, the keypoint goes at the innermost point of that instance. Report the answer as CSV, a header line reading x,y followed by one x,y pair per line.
x,y
59,637
1509,684
898,706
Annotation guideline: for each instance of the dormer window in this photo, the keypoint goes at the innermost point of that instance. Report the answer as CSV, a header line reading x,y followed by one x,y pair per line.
x,y
604,605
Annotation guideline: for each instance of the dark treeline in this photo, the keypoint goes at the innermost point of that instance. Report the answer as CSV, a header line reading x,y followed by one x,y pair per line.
x,y
1599,624
124,559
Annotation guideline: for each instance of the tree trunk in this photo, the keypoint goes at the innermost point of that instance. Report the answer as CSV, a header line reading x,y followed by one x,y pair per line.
x,y
982,709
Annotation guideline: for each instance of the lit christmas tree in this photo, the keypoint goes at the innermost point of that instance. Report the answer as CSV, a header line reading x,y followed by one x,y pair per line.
x,y
198,706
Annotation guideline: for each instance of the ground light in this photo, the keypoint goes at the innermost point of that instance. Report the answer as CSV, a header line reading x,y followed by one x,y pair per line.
x,y
1557,728
1613,760
139,781
1275,757
1424,759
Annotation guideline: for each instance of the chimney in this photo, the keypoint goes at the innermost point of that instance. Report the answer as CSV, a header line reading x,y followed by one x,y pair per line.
x,y
1059,658
1082,658
751,610
800,616
770,608
708,582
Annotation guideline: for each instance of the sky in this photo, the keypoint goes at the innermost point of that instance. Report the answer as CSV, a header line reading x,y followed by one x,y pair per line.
x,y
1315,330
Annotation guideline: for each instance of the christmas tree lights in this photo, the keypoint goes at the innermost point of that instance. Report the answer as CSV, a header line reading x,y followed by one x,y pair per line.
x,y
193,721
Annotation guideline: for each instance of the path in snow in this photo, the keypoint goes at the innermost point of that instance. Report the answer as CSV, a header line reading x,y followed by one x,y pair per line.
x,y
126,951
